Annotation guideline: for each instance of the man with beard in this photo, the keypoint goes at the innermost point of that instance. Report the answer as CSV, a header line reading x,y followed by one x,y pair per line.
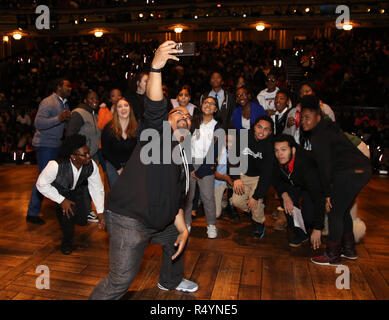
x,y
146,203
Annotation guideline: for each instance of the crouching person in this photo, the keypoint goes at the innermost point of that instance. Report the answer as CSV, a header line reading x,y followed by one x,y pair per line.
x,y
296,176
251,187
64,181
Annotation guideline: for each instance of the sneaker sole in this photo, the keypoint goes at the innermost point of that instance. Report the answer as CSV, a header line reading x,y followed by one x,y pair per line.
x,y
178,289
93,220
325,263
350,258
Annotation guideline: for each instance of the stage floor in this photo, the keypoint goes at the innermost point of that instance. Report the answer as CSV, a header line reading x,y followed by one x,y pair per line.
x,y
232,267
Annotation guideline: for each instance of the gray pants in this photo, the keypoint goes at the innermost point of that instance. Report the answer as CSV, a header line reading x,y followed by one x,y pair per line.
x,y
128,241
207,195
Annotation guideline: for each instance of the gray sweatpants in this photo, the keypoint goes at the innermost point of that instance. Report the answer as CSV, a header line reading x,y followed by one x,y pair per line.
x,y
207,195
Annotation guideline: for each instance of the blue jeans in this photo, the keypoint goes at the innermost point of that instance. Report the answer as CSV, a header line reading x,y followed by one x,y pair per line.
x,y
111,173
128,241
43,155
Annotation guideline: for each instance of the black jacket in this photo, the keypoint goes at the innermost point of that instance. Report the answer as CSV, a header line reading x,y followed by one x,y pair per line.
x,y
334,152
151,193
226,109
260,160
305,175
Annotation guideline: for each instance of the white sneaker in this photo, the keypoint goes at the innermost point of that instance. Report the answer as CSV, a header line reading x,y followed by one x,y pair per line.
x,y
92,217
185,285
188,227
212,231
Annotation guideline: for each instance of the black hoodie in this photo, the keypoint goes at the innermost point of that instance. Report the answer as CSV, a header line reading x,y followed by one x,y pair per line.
x,y
305,175
334,152
151,193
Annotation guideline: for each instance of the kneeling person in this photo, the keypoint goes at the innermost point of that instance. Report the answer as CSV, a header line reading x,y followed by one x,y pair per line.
x,y
297,176
64,181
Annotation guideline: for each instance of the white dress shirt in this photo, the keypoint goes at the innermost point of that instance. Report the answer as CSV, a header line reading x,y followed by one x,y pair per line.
x,y
202,139
49,174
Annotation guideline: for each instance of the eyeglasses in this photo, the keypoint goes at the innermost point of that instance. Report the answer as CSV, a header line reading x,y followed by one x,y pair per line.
x,y
210,103
185,115
82,155
241,95
271,80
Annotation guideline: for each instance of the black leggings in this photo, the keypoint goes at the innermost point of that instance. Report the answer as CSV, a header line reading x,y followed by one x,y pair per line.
x,y
80,196
346,186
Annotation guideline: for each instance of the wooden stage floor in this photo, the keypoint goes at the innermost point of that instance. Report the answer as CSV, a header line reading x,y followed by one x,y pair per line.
x,y
232,267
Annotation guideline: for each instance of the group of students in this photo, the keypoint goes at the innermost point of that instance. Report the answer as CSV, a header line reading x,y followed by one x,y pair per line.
x,y
299,150
316,163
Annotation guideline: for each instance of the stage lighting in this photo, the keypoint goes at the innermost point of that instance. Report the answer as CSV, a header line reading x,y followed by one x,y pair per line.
x,y
140,15
307,10
382,11
17,36
196,16
5,38
244,15
177,29
260,27
368,10
219,5
347,27
99,33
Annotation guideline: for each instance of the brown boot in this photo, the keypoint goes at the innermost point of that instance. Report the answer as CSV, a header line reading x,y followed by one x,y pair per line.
x,y
281,223
348,247
331,256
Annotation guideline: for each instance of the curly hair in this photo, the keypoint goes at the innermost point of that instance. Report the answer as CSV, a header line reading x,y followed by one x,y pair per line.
x,y
71,144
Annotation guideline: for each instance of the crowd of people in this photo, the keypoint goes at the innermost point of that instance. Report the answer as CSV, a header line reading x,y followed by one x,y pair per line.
x,y
232,147
233,105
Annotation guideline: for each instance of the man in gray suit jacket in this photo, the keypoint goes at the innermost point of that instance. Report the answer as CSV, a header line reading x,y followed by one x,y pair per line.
x,y
49,124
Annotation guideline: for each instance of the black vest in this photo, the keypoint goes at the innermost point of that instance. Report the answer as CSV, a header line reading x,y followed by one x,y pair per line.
x,y
64,180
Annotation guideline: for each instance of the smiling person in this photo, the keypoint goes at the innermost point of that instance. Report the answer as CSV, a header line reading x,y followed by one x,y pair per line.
x,y
118,139
247,112
146,202
252,186
282,103
267,96
226,102
344,171
202,169
61,182
84,121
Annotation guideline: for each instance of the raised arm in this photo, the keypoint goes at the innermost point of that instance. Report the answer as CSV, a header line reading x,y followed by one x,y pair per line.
x,y
162,55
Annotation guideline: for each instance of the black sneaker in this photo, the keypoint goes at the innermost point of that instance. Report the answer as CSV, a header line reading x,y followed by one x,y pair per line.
x,y
67,249
35,220
231,212
259,230
298,239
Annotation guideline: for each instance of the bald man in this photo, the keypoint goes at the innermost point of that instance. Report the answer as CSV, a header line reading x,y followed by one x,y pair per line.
x,y
146,202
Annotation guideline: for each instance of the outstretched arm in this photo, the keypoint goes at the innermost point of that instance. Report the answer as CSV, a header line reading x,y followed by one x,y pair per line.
x,y
162,55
